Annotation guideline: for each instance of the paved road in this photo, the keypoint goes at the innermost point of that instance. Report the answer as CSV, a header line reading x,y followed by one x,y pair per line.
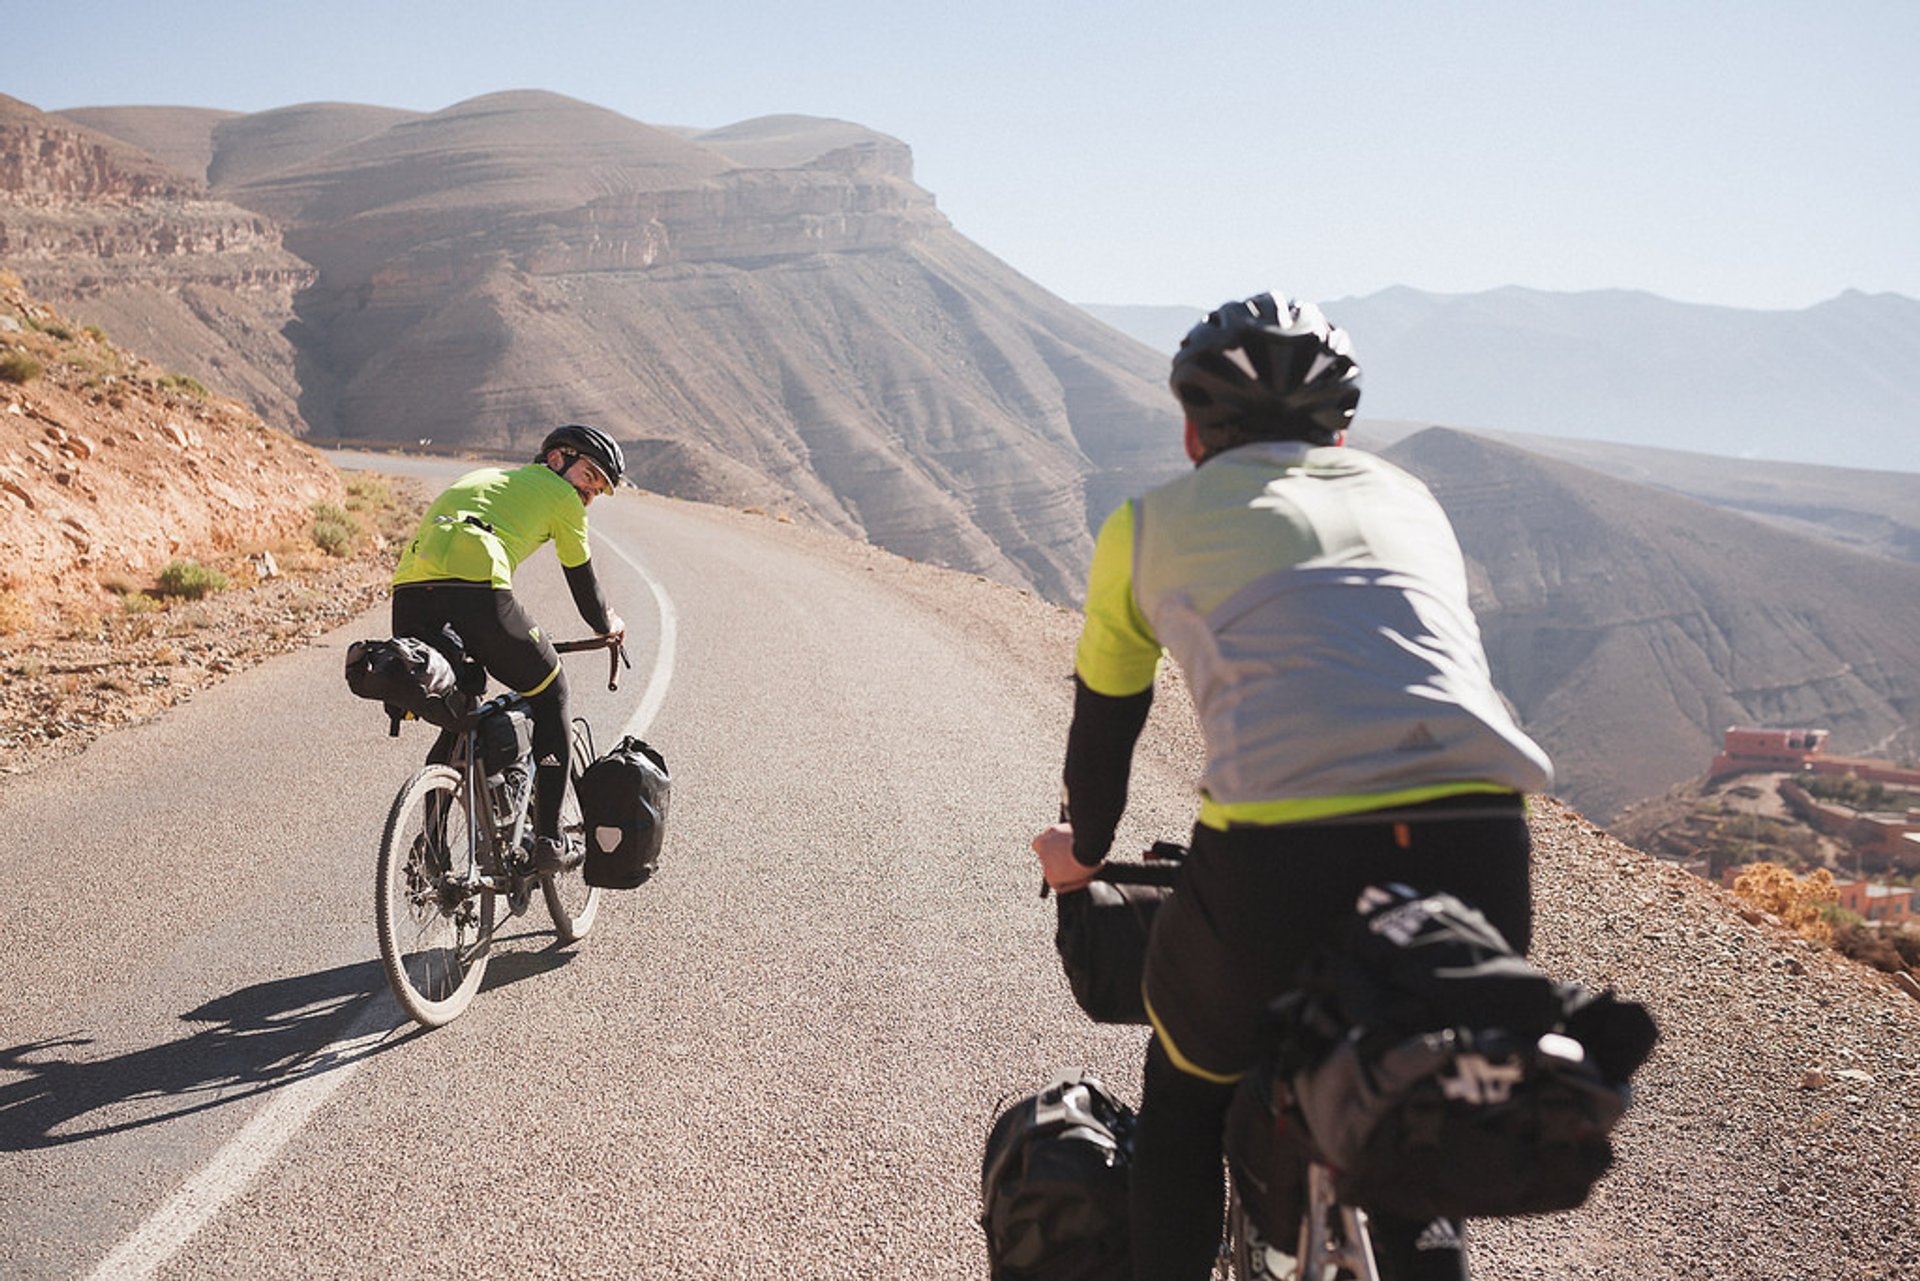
x,y
779,1058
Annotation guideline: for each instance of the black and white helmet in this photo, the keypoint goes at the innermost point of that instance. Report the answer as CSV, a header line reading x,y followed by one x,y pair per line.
x,y
576,440
1266,369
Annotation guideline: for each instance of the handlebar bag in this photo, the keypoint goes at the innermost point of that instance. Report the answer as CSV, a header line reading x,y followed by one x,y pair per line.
x,y
1101,934
624,798
1053,1185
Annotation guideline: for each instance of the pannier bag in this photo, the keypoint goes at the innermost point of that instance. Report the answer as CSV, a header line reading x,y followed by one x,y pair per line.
x,y
1053,1185
435,683
623,802
1440,1074
1101,934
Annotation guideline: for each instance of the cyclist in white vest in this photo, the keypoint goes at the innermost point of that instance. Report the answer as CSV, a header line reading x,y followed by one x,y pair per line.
x,y
1315,599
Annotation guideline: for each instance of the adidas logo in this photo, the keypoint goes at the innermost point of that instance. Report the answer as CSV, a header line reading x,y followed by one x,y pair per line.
x,y
1420,740
548,759
1441,1234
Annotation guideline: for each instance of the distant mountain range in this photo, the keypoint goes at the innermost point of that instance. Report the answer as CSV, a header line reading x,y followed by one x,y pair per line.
x,y
1837,384
774,314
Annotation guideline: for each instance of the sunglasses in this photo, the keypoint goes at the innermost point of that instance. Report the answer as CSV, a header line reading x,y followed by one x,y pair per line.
x,y
595,477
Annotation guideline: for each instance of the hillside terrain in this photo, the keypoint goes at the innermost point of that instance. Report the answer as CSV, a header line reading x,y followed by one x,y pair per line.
x,y
1832,385
116,476
1630,627
771,312
1784,1089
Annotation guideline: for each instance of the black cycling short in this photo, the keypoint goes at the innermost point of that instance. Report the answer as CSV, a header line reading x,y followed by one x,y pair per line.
x,y
490,622
1254,902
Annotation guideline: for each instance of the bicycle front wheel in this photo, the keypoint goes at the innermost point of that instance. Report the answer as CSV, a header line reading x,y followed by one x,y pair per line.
x,y
571,902
435,927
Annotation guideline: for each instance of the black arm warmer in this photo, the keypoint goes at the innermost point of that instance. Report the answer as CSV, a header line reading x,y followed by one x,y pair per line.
x,y
586,595
1099,759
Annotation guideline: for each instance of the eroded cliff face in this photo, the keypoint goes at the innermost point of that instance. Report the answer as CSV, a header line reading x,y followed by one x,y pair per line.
x,y
771,314
147,254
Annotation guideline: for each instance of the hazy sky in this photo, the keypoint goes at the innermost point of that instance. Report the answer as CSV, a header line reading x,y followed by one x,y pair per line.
x,y
1757,154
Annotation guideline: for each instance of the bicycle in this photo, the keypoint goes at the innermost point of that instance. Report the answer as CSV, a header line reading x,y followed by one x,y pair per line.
x,y
458,838
1334,1239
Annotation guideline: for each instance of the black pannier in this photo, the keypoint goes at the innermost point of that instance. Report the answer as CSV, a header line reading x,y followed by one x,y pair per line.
x,y
506,738
1101,933
434,682
1440,1074
1053,1185
623,803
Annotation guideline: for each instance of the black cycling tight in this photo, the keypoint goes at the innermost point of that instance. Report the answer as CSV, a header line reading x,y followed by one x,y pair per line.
x,y
499,633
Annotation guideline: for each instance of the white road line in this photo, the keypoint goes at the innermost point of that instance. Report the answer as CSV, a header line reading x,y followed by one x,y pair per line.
x,y
251,1150
662,656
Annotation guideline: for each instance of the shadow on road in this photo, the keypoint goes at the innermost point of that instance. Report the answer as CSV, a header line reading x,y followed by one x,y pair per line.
x,y
257,1039
254,1040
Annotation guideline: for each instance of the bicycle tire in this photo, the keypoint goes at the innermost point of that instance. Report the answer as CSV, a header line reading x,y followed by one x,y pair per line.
x,y
571,902
433,943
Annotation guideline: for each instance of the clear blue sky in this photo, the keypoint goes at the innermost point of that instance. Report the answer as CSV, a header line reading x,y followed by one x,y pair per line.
x,y
1757,154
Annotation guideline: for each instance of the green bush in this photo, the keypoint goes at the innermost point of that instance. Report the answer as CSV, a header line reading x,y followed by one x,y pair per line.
x,y
190,580
335,530
180,382
18,367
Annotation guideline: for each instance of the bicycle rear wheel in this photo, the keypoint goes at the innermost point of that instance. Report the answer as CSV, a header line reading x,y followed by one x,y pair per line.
x,y
435,930
571,902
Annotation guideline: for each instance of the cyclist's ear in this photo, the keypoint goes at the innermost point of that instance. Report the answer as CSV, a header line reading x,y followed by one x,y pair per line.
x,y
1196,452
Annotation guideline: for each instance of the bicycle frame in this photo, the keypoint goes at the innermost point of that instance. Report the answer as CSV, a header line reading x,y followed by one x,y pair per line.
x,y
1321,1246
487,845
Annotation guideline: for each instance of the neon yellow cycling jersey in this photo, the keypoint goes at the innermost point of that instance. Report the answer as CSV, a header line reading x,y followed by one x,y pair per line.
x,y
488,521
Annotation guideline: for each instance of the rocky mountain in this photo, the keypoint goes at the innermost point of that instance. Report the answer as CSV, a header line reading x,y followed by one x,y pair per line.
x,y
112,466
1837,384
769,313
774,314
1630,626
145,251
1876,512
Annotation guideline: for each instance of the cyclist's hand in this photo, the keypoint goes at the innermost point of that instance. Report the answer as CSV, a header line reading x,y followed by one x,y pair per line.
x,y
1063,871
616,628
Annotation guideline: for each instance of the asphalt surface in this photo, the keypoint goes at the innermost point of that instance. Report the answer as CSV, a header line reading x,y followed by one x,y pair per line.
x,y
778,1058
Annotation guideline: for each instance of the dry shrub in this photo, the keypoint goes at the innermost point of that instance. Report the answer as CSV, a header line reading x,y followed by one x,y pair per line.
x,y
1797,900
16,616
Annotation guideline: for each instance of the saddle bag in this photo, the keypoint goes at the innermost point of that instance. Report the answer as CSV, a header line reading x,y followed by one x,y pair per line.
x,y
1053,1185
623,801
433,682
1440,1074
1101,934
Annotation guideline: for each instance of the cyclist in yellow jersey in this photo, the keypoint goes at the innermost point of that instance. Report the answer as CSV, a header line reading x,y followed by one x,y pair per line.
x,y
1316,601
458,571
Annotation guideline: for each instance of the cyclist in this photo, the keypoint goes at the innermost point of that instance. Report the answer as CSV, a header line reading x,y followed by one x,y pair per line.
x,y
1315,600
458,571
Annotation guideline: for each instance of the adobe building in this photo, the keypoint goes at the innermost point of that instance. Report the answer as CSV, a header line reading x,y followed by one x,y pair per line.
x,y
1765,751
